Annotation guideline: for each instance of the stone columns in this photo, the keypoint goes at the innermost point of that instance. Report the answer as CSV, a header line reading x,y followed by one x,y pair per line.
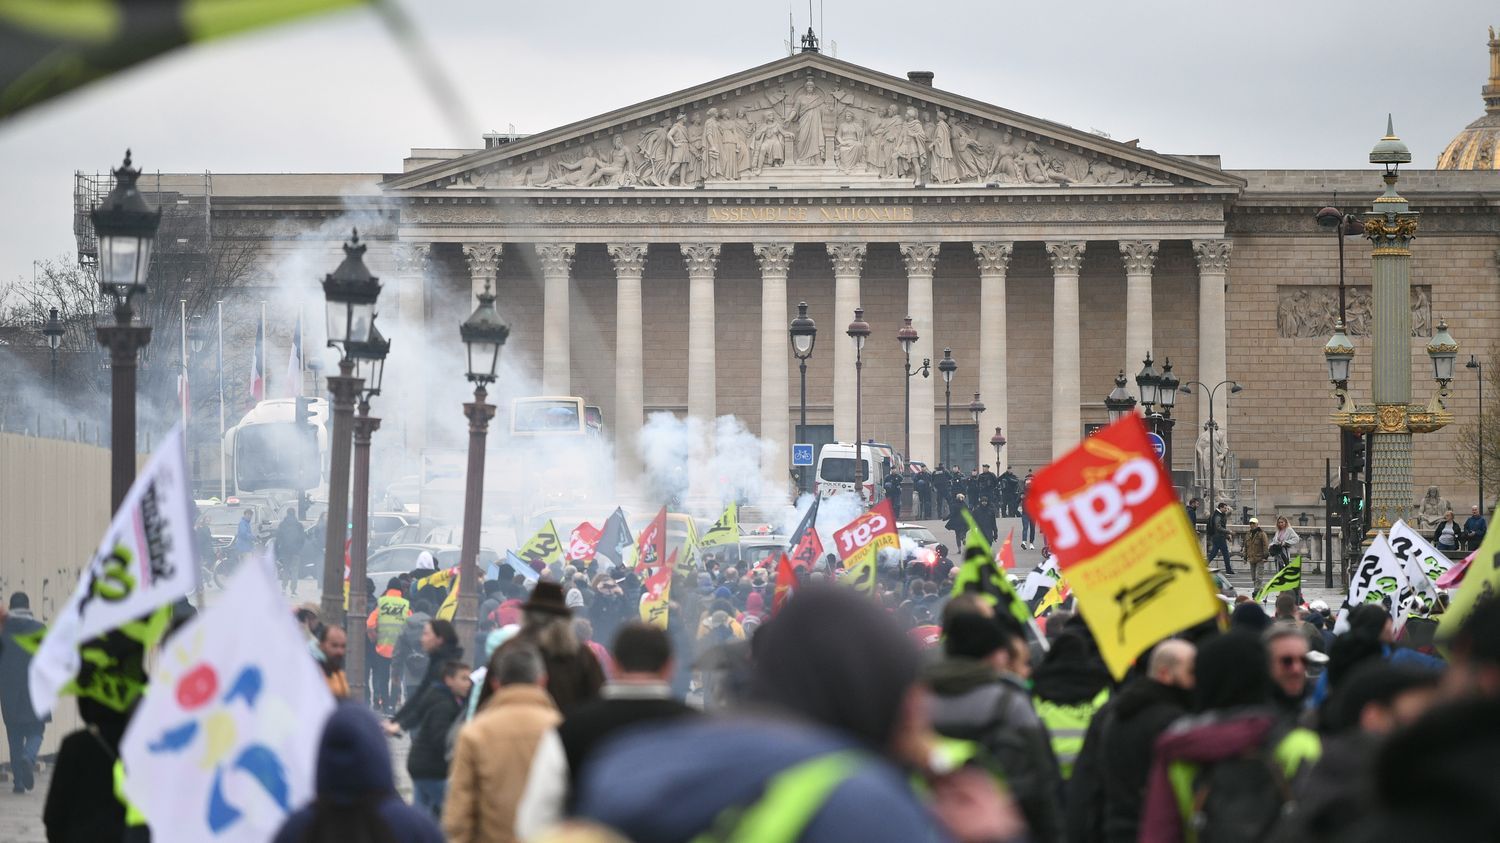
x,y
411,314
847,259
557,359
1067,418
1213,263
701,260
484,267
630,377
1139,257
921,259
775,261
993,258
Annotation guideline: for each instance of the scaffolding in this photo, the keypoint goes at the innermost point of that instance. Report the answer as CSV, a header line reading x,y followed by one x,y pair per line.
x,y
186,201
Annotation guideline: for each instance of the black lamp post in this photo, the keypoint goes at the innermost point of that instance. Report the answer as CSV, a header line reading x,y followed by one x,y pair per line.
x,y
946,367
976,412
858,331
53,331
998,441
1119,402
369,361
804,335
350,292
908,337
1479,371
483,335
1166,395
126,231
1342,225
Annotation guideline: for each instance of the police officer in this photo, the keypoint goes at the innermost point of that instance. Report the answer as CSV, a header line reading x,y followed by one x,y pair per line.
x,y
892,485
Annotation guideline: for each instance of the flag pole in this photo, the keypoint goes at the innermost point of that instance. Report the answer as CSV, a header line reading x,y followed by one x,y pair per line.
x,y
223,467
265,342
182,391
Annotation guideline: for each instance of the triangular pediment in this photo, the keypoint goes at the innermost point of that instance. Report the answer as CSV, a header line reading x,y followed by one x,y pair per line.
x,y
811,121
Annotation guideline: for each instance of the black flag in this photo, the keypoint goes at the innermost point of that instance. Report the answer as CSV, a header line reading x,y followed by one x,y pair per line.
x,y
614,540
805,547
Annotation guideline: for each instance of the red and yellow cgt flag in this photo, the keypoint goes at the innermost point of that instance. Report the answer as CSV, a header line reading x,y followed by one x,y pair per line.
x,y
861,540
1124,542
656,601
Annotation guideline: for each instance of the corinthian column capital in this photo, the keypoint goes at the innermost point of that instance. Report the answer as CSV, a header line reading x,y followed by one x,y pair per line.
x,y
484,259
1066,255
993,256
702,258
1139,256
411,258
1213,255
920,258
775,258
847,257
629,258
557,258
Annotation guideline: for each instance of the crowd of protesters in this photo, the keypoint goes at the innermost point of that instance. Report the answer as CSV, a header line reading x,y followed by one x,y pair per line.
x,y
914,716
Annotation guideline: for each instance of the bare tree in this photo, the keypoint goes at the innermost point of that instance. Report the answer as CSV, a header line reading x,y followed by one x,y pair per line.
x,y
1470,442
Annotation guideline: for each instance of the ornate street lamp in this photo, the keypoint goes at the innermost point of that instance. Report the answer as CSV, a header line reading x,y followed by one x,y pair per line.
x,y
946,367
369,360
907,336
858,331
1166,399
483,334
1339,353
1212,426
53,330
803,333
1148,381
1119,401
976,409
998,441
126,232
1442,351
351,292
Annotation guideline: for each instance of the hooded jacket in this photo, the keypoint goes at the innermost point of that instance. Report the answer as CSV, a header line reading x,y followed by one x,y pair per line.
x,y
410,663
1068,688
354,780
15,663
1129,727
972,702
684,775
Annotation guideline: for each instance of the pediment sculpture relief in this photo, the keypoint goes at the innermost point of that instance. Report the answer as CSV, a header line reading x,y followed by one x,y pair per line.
x,y
811,134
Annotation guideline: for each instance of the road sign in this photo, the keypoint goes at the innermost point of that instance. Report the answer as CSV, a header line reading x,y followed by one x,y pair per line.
x,y
1158,444
802,454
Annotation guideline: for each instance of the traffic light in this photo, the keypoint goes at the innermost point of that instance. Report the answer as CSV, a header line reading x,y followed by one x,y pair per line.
x,y
303,417
1354,450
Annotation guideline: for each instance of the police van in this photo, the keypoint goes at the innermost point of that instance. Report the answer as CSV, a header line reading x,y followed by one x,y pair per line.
x,y
835,474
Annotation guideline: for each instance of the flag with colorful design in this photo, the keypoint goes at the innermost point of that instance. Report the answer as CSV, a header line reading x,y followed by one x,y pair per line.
x,y
1057,595
860,542
980,574
656,597
543,550
582,543
725,531
224,744
651,544
1007,554
786,584
1289,578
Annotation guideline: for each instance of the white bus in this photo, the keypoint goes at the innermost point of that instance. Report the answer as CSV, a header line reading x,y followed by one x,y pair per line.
x,y
268,449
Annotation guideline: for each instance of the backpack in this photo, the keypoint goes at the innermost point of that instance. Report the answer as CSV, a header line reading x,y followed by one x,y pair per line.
x,y
1241,799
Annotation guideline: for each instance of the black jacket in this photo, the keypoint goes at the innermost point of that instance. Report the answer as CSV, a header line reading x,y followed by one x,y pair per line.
x,y
428,758
1218,525
410,715
622,706
15,664
1129,727
81,804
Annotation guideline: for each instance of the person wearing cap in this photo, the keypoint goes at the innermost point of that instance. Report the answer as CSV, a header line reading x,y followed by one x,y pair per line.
x,y
1257,549
573,673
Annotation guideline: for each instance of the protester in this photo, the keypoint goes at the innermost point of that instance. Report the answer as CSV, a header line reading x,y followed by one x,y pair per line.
x,y
1116,760
408,659
440,643
573,674
956,521
980,696
289,541
494,753
1257,551
333,643
1474,529
244,537
23,729
1287,648
383,627
356,799
1028,527
1218,537
82,805
427,761
834,714
1446,535
1068,688
639,693
1225,773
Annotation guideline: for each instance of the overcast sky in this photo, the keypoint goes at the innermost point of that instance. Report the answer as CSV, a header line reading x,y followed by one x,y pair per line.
x,y
1271,84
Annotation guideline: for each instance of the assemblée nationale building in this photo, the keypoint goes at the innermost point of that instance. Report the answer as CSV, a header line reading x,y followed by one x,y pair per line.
x,y
651,258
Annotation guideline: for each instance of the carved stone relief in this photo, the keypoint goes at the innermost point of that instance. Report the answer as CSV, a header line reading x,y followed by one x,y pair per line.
x,y
1308,312
812,131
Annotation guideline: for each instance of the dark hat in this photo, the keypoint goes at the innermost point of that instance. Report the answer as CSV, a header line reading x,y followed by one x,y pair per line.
x,y
972,635
547,597
1249,616
19,600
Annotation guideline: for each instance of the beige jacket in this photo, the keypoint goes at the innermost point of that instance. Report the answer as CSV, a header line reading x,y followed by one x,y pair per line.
x,y
491,762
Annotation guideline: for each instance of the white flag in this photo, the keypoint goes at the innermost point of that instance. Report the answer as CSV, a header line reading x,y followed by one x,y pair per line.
x,y
224,745
1378,578
146,560
1411,546
1041,578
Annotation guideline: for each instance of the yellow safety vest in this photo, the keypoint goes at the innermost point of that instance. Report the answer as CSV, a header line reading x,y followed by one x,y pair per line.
x,y
391,612
1067,724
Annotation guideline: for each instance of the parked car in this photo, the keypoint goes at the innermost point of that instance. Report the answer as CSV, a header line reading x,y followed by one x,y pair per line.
x,y
389,561
752,550
917,533
383,525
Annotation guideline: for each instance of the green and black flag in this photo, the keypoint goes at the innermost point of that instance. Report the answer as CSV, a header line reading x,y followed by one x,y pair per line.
x,y
981,574
50,47
1286,579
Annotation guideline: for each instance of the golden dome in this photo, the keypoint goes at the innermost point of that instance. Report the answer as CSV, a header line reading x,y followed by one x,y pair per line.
x,y
1477,147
